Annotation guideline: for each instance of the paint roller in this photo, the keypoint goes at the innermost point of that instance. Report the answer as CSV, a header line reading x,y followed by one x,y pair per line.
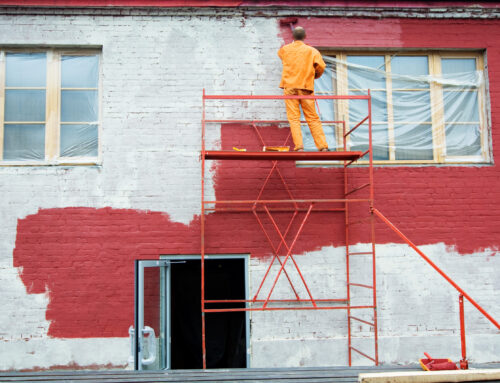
x,y
289,21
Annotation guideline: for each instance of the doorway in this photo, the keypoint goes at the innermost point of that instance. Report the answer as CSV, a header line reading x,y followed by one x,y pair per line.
x,y
168,300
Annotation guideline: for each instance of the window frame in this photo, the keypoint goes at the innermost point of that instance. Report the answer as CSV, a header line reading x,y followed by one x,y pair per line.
x,y
52,106
340,84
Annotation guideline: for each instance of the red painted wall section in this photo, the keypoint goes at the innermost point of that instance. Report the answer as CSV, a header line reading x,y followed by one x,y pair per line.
x,y
398,33
84,256
455,205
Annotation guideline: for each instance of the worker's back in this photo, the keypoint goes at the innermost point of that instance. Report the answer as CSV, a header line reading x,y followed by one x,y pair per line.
x,y
301,65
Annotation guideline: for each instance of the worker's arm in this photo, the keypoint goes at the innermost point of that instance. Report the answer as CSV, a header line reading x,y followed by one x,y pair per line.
x,y
280,53
319,65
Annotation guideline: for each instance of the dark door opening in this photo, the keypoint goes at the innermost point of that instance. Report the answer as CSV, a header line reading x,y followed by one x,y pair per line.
x,y
225,332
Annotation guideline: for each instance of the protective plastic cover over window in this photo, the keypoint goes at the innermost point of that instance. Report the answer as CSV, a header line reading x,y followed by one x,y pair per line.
x,y
24,108
79,106
418,115
27,132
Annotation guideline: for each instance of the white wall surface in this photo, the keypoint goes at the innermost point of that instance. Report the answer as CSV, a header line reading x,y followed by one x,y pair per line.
x,y
153,71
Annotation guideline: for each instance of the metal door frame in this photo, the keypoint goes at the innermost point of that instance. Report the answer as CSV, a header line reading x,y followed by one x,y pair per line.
x,y
171,258
139,265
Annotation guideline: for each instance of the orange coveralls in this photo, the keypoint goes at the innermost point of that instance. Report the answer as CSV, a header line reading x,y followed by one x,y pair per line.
x,y
301,65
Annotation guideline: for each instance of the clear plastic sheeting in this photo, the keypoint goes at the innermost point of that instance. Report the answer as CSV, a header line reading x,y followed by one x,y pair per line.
x,y
463,140
24,107
327,108
418,113
414,142
24,142
79,140
79,71
79,106
25,69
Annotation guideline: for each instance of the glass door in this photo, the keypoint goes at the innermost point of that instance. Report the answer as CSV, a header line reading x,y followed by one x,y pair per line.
x,y
152,315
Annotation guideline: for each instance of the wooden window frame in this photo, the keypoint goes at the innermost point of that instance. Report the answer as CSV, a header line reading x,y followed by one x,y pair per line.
x,y
437,107
52,108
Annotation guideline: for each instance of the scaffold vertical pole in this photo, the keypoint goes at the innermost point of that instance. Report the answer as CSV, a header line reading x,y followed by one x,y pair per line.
x,y
346,212
464,365
372,223
202,227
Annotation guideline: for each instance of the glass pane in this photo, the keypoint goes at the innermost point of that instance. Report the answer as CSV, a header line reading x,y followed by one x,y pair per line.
x,y
329,135
324,86
463,140
25,69
358,109
409,72
24,105
412,106
79,106
413,142
370,77
325,82
152,314
460,73
79,71
449,66
326,110
461,106
360,140
79,140
24,142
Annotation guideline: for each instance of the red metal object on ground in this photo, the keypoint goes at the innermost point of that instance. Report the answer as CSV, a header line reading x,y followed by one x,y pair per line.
x,y
266,209
433,364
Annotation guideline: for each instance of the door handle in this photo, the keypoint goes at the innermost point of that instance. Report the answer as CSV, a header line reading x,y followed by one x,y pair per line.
x,y
132,344
151,345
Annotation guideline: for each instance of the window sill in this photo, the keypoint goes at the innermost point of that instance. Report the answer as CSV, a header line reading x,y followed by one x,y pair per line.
x,y
448,162
58,162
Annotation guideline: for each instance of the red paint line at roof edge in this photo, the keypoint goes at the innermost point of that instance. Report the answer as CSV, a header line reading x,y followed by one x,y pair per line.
x,y
239,3
121,3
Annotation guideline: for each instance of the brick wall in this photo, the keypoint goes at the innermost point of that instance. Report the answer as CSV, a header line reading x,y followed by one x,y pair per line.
x,y
70,234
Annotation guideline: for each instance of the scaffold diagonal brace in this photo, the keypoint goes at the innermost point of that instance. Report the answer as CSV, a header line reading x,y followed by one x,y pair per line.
x,y
289,254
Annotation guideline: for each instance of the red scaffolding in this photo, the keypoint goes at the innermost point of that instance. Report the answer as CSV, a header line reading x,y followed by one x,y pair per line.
x,y
293,205
307,206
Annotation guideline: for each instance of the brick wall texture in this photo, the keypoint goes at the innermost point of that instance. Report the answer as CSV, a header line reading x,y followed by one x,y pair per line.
x,y
70,234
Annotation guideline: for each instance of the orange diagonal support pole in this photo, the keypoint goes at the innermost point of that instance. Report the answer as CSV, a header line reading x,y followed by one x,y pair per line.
x,y
289,248
450,281
276,255
288,255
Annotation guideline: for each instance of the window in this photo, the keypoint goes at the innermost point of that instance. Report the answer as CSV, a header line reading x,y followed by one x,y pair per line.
x,y
49,112
426,107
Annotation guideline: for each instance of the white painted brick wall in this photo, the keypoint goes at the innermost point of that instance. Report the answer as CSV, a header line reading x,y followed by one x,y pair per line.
x,y
417,309
153,70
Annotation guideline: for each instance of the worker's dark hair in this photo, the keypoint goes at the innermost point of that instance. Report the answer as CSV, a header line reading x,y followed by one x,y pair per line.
x,y
299,33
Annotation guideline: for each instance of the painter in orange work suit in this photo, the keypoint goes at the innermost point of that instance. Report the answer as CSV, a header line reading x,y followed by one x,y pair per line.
x,y
301,65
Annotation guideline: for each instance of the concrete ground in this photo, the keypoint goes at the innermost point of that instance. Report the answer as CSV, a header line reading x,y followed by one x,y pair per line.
x,y
251,375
